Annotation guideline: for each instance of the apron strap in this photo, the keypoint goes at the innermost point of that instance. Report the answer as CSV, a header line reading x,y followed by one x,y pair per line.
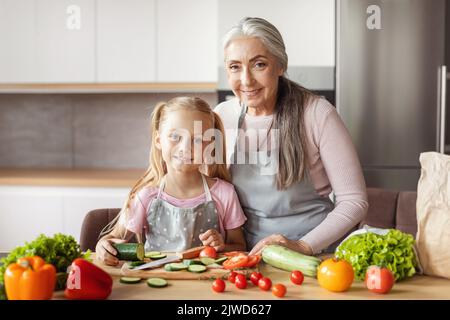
x,y
207,192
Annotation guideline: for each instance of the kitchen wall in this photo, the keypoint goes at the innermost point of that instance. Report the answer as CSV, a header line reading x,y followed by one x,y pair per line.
x,y
79,130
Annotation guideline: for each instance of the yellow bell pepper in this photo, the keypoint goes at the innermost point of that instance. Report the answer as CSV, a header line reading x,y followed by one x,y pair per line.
x,y
30,278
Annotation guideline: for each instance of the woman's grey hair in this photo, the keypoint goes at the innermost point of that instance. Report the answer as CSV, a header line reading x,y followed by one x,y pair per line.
x,y
264,31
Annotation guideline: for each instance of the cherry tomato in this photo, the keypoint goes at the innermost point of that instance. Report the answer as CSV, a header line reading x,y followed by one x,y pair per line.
x,y
218,285
279,290
241,281
297,277
379,280
232,276
253,261
238,261
208,252
255,276
335,275
265,284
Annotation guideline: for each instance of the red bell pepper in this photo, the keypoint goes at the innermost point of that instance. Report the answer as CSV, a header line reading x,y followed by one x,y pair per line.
x,y
86,281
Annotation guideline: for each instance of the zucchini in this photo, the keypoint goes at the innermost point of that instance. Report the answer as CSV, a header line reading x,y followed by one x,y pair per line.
x,y
197,268
289,260
152,253
156,282
175,266
130,251
221,260
207,261
130,280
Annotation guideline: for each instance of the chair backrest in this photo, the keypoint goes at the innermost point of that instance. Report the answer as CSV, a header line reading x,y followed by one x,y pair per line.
x,y
93,224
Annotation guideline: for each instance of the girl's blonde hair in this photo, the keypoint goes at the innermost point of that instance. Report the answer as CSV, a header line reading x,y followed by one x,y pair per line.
x,y
157,168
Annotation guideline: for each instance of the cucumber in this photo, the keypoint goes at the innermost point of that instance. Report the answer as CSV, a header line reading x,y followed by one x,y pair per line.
x,y
207,261
289,260
197,268
175,266
214,266
134,264
130,251
158,256
130,280
221,260
156,282
152,253
190,262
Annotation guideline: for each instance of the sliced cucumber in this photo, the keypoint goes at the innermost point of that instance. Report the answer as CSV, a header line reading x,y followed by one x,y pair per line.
x,y
175,267
156,282
221,260
158,256
134,264
190,262
130,280
214,266
130,251
152,253
197,268
207,261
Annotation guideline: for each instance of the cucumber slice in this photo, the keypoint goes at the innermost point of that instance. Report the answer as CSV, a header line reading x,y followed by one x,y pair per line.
x,y
130,280
177,266
207,261
221,260
156,282
214,266
197,268
158,256
152,253
130,251
134,264
189,262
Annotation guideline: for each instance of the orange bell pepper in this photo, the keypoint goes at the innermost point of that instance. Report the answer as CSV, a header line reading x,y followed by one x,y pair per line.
x,y
30,278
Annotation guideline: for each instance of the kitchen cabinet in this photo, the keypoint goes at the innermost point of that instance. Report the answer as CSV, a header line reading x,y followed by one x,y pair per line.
x,y
27,211
187,40
126,41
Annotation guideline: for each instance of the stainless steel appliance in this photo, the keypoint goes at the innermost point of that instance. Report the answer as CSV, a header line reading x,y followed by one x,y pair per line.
x,y
391,84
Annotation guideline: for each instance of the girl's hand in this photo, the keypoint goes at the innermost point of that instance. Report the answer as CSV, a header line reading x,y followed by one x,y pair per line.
x,y
105,251
213,238
299,246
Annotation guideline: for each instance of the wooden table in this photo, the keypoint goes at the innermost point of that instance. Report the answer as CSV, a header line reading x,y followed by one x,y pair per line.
x,y
418,287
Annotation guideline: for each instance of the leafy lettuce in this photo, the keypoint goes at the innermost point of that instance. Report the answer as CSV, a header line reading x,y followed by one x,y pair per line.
x,y
395,251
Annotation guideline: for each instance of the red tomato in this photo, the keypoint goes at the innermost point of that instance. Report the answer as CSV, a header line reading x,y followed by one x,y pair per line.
x,y
297,277
208,252
279,290
232,276
218,285
241,281
265,284
239,261
253,261
255,276
379,280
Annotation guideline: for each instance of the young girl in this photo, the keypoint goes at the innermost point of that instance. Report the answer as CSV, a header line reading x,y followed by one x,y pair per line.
x,y
183,200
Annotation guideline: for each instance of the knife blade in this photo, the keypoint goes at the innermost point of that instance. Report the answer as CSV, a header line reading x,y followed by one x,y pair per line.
x,y
187,254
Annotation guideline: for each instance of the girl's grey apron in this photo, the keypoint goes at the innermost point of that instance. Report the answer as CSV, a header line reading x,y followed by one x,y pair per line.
x,y
292,212
176,229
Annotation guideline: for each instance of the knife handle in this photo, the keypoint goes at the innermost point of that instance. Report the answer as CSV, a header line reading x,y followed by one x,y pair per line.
x,y
190,253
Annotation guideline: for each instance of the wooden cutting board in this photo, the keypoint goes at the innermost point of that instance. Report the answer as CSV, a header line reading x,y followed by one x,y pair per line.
x,y
180,275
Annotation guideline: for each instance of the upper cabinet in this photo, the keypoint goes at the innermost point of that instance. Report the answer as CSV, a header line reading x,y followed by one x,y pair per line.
x,y
126,41
47,41
187,40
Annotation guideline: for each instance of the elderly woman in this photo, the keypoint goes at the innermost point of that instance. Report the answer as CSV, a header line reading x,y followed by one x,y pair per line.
x,y
310,149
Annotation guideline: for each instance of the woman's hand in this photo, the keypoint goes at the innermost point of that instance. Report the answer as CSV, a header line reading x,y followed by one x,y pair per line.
x,y
296,245
105,252
213,238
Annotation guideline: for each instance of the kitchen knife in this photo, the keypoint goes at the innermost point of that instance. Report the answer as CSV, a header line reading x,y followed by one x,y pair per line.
x,y
188,254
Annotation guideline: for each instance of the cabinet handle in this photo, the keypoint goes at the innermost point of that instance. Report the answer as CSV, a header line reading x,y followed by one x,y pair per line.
x,y
442,92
